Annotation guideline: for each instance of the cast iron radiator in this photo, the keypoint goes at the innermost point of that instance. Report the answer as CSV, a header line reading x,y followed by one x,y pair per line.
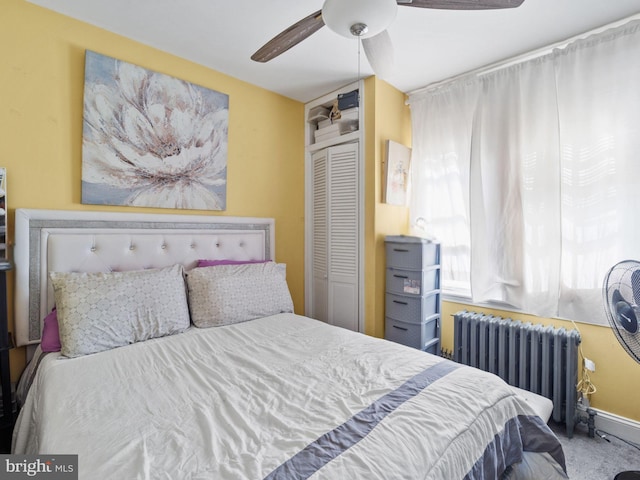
x,y
540,359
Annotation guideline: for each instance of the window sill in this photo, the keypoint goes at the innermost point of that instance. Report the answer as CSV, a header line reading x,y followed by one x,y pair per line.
x,y
459,297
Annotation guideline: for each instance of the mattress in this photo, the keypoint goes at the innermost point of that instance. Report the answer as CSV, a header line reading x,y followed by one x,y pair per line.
x,y
280,397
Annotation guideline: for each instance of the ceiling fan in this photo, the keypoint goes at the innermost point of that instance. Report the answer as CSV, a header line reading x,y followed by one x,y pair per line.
x,y
367,20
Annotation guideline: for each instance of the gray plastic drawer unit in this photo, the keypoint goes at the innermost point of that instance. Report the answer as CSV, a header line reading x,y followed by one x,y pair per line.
x,y
412,309
412,299
409,282
417,335
406,255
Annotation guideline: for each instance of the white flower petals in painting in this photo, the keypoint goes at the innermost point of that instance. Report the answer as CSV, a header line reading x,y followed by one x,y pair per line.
x,y
151,140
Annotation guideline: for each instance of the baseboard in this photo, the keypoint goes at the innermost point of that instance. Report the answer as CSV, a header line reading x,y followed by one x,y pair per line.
x,y
622,427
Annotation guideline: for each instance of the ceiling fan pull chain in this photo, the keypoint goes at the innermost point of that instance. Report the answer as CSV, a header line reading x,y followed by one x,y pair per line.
x,y
359,39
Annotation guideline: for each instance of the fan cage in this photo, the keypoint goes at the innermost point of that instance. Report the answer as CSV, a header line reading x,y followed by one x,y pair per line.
x,y
624,277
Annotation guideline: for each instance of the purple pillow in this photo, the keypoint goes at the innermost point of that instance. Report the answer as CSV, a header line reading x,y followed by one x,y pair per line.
x,y
213,263
50,341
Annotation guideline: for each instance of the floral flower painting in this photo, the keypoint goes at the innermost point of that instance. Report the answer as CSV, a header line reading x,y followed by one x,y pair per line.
x,y
151,140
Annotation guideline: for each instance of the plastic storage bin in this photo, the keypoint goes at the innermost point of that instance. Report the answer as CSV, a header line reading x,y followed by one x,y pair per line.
x,y
412,298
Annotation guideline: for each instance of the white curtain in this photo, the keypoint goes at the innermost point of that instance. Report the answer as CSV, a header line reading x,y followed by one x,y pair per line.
x,y
529,175
515,189
442,125
598,81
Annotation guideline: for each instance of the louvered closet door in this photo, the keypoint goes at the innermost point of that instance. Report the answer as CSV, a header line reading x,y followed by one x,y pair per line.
x,y
343,235
335,236
320,263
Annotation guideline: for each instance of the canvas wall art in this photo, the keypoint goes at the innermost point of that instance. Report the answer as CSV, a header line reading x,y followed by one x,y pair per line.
x,y
151,140
398,161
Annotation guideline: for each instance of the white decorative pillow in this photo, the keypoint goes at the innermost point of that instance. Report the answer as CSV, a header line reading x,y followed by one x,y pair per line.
x,y
100,311
227,294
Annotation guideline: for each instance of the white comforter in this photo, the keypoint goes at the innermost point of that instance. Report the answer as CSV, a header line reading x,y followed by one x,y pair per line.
x,y
279,397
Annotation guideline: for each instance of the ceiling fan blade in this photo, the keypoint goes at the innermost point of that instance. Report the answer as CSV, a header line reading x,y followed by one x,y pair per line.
x,y
289,37
461,4
379,52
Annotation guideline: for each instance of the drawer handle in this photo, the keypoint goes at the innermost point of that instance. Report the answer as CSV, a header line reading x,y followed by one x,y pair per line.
x,y
400,250
401,303
400,276
400,328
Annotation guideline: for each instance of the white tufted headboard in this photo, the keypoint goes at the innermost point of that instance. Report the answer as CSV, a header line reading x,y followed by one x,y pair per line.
x,y
64,240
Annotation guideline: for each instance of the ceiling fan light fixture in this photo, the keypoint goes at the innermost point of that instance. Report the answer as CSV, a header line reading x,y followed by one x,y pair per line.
x,y
375,15
358,29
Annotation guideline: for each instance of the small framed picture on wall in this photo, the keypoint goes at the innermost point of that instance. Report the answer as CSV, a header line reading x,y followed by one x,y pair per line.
x,y
397,166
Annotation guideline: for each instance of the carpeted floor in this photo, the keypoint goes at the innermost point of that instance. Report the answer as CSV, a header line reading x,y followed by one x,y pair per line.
x,y
594,458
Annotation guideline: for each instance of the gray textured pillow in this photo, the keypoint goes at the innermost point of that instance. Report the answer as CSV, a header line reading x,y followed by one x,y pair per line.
x,y
227,294
100,311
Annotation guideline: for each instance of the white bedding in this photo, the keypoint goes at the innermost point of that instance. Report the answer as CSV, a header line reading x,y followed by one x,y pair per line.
x,y
249,400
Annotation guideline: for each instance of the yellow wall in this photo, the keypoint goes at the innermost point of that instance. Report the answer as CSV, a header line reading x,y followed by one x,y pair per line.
x,y
41,79
617,375
388,118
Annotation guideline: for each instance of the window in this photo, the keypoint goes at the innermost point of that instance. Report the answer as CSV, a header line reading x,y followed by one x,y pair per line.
x,y
529,175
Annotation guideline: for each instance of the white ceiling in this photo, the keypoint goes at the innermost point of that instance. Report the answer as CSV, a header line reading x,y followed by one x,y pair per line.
x,y
430,45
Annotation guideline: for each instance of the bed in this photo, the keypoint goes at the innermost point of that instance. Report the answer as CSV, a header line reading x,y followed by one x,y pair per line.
x,y
243,388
